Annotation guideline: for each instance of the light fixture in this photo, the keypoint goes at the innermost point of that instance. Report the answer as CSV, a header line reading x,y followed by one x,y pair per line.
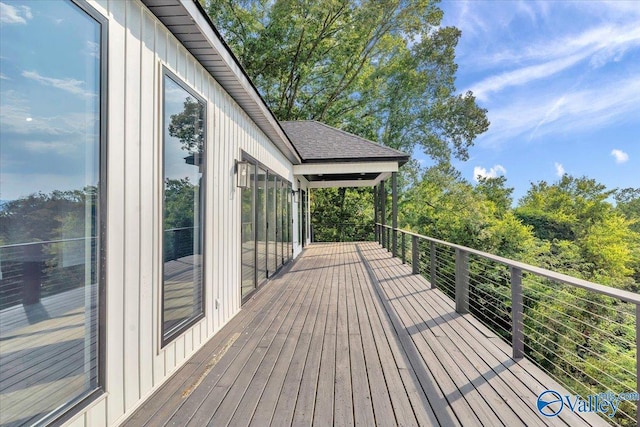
x,y
296,195
242,175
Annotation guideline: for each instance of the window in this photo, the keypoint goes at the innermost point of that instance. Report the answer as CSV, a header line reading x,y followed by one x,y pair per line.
x,y
183,204
272,227
261,225
266,235
51,203
248,242
289,222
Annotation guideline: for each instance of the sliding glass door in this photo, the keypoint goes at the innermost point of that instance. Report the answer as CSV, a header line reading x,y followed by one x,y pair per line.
x,y
248,242
266,230
289,226
261,225
272,262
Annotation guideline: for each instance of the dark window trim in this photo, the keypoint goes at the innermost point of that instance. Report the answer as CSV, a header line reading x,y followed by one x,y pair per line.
x,y
167,337
287,184
254,229
74,407
249,158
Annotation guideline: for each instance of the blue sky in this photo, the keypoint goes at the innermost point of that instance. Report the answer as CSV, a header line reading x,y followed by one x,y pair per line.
x,y
48,98
561,83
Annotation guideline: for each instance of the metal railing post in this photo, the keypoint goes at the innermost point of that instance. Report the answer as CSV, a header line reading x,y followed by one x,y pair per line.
x,y
415,255
394,242
388,240
432,264
383,238
462,281
32,273
403,247
517,328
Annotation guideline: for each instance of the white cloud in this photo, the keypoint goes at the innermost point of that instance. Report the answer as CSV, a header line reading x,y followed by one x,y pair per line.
x,y
93,49
493,172
620,156
546,58
524,75
16,117
73,86
564,111
559,169
14,14
3,77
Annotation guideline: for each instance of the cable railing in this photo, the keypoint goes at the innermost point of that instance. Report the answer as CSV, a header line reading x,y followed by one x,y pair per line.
x,y
178,242
343,232
582,334
33,270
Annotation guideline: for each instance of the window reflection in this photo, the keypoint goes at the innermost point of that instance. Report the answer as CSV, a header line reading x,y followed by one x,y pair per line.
x,y
49,207
184,139
261,225
248,243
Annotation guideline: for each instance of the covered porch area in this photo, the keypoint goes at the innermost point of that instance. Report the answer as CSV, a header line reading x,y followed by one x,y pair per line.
x,y
345,335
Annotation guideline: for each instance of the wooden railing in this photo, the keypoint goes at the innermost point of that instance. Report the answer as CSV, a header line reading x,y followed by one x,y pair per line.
x,y
516,300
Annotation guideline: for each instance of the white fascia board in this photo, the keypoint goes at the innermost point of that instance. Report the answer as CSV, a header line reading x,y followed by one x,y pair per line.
x,y
304,184
381,177
237,73
333,168
334,184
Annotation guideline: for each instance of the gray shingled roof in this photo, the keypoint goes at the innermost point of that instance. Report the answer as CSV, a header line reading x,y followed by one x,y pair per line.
x,y
317,142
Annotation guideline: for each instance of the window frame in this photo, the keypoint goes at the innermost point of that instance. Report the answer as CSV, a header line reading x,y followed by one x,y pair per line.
x,y
72,408
271,177
167,337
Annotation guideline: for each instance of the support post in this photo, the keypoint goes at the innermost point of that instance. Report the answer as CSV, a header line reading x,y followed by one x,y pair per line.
x,y
375,211
394,213
415,255
403,249
462,281
517,328
32,273
432,264
383,208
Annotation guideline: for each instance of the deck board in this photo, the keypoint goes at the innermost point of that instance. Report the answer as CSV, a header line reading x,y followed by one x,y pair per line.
x,y
347,335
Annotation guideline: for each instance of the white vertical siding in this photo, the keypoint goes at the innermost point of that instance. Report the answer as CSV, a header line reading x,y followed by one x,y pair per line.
x,y
115,352
133,223
148,202
139,45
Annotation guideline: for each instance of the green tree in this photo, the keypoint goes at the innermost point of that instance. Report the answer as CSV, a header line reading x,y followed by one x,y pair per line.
x,y
495,191
179,199
587,236
384,70
342,214
628,203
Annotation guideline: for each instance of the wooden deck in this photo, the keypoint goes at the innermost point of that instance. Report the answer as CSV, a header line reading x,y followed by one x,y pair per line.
x,y
347,335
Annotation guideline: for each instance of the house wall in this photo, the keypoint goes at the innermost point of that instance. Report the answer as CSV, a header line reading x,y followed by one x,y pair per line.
x,y
138,46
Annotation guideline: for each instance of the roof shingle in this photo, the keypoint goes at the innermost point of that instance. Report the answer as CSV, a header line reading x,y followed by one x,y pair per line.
x,y
318,142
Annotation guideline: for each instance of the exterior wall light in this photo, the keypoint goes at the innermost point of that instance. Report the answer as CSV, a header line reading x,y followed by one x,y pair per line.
x,y
242,175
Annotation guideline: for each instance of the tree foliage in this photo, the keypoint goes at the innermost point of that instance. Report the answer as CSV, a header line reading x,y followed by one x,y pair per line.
x,y
569,226
384,70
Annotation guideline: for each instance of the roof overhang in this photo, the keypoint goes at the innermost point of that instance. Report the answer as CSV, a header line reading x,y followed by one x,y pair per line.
x,y
341,174
189,23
